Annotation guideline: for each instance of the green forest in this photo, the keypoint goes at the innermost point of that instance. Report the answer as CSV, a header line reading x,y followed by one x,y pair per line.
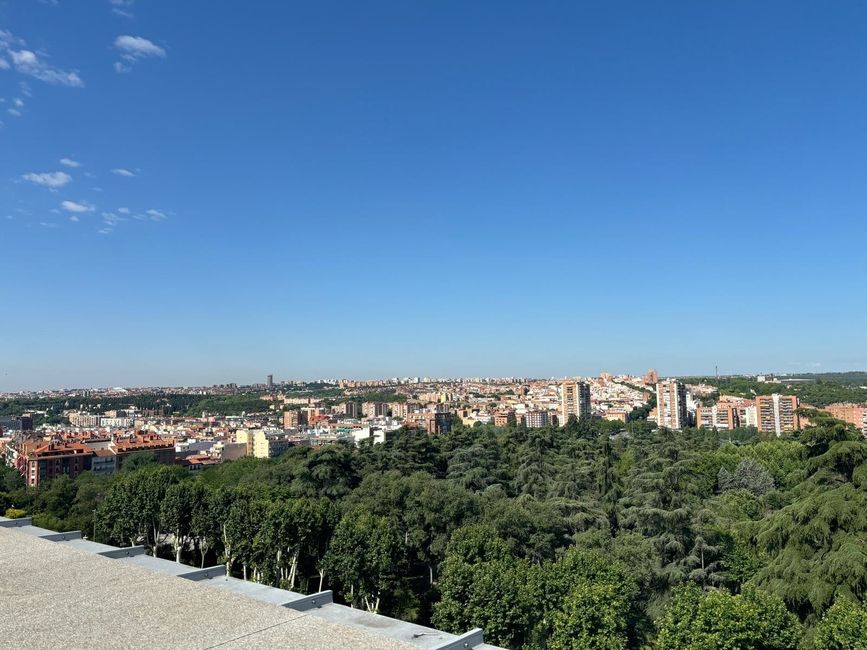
x,y
182,404
562,538
169,403
819,392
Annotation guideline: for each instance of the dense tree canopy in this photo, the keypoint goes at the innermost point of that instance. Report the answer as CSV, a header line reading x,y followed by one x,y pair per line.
x,y
584,536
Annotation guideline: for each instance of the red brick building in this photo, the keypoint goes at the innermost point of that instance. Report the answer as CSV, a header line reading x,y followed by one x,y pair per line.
x,y
40,461
162,448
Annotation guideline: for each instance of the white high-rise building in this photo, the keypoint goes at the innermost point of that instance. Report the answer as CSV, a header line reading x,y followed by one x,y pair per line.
x,y
574,400
671,411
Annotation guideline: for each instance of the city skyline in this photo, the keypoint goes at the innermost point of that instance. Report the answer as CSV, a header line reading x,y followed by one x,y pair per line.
x,y
385,380
196,193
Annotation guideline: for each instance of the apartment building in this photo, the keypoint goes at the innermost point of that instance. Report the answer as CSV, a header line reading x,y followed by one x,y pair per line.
x,y
163,449
777,414
505,419
261,444
374,409
852,413
398,409
574,400
349,409
746,410
291,419
84,420
433,423
537,419
39,461
723,416
671,411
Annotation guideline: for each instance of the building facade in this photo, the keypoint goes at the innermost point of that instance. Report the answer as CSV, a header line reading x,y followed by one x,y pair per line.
x,y
723,416
574,400
40,461
854,414
537,419
671,411
777,414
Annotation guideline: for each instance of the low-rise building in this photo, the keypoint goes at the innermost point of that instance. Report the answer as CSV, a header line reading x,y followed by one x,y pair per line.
x,y
39,461
537,419
433,423
261,444
163,449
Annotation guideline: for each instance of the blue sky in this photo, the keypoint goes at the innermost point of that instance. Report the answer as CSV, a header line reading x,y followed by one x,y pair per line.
x,y
198,192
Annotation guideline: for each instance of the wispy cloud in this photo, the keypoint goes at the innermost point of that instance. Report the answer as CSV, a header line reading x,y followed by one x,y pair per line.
x,y
32,64
120,171
69,162
73,206
123,210
51,180
155,215
122,8
135,48
74,219
111,219
104,231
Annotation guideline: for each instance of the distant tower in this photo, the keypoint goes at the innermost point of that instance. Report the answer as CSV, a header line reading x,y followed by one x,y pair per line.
x,y
270,381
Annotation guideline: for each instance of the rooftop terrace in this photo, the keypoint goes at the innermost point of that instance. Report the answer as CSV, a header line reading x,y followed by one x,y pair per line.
x,y
58,589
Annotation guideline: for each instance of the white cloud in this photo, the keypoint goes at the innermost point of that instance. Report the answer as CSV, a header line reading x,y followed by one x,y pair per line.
x,y
17,105
51,180
135,48
123,210
74,219
28,62
111,219
69,162
138,47
104,231
155,215
123,172
72,206
8,40
122,7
